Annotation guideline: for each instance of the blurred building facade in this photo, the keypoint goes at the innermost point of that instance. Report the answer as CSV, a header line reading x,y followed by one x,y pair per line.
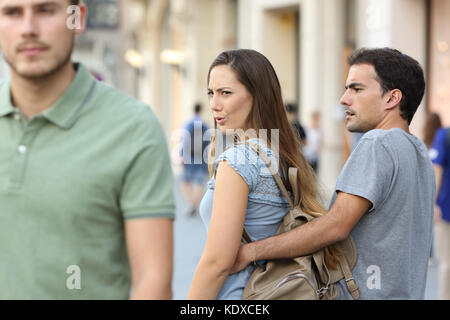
x,y
309,40
160,50
177,40
102,48
173,43
439,59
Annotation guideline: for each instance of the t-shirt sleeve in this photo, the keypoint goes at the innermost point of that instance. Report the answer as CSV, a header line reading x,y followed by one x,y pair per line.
x,y
438,152
369,172
244,161
147,190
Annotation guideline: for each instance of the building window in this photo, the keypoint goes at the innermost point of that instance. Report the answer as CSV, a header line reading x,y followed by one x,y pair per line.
x,y
103,14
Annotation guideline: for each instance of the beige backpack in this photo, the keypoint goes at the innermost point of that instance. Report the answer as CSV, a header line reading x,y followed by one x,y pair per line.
x,y
301,278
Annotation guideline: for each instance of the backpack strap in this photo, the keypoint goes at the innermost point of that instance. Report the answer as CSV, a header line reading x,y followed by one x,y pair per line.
x,y
276,177
293,174
273,171
352,286
246,236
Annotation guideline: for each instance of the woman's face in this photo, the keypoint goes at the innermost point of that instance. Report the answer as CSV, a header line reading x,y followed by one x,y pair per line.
x,y
229,100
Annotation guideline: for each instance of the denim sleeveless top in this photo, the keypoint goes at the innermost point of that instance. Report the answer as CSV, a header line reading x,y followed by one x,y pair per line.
x,y
265,209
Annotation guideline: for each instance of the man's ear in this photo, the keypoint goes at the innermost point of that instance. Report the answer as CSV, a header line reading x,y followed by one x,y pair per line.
x,y
77,18
83,18
394,98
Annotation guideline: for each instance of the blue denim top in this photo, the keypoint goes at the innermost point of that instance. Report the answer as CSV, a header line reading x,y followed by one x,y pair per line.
x,y
265,209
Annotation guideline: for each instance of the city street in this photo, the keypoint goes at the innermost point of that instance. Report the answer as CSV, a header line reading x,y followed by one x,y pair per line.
x,y
190,239
190,236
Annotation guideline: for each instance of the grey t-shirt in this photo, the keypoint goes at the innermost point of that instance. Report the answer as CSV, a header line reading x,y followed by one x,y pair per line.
x,y
391,169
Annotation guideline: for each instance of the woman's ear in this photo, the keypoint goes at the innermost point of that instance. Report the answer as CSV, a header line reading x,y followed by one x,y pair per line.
x,y
394,99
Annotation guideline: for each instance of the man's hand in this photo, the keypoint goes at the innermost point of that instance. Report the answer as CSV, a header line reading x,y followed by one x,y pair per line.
x,y
244,257
319,233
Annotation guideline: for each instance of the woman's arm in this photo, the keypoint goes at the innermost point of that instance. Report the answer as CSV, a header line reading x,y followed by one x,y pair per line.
x,y
224,236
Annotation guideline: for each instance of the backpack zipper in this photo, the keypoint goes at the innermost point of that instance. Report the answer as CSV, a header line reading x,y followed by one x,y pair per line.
x,y
297,275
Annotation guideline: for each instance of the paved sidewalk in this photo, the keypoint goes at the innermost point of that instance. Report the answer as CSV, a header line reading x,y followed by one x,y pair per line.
x,y
190,236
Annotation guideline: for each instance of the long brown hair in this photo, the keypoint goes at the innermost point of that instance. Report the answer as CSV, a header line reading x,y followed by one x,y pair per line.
x,y
432,124
257,74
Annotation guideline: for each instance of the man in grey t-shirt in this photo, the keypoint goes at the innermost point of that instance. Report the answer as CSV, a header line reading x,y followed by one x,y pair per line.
x,y
391,169
384,195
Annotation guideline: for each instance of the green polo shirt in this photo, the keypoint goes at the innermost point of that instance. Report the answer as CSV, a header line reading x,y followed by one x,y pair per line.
x,y
69,179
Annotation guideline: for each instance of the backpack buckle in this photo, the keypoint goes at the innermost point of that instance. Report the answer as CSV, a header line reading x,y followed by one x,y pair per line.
x,y
321,292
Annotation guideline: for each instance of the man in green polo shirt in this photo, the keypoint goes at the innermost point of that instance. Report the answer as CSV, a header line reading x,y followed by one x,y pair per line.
x,y
86,190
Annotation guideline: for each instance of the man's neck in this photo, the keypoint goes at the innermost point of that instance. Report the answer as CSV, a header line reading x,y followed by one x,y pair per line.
x,y
391,123
34,96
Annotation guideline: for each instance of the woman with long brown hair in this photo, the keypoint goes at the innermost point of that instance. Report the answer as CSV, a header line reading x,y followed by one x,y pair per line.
x,y
245,96
432,125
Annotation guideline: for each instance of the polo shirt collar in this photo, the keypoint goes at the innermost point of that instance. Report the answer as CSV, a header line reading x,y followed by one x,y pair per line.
x,y
6,106
67,109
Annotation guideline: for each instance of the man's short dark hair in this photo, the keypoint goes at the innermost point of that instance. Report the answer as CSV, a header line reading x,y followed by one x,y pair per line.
x,y
395,70
75,2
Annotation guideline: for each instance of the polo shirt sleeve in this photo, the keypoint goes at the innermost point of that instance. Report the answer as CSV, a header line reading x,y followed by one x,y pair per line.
x,y
438,152
147,190
369,171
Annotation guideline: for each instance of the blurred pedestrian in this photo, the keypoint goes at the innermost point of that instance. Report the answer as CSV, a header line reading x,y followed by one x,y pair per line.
x,y
432,125
314,141
440,155
86,190
195,168
245,99
384,194
292,114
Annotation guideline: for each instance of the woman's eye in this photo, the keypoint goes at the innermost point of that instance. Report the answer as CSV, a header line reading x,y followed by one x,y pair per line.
x,y
226,93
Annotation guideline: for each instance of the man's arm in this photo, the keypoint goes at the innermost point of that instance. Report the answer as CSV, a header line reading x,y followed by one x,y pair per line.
x,y
150,251
310,237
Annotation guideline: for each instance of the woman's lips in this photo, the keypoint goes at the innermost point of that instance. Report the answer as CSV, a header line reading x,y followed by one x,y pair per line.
x,y
220,120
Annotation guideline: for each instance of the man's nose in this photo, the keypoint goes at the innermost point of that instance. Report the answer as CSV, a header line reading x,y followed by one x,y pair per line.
x,y
345,99
30,28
